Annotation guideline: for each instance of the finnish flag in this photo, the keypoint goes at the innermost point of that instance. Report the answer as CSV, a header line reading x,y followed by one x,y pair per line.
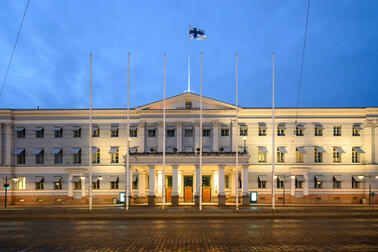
x,y
197,34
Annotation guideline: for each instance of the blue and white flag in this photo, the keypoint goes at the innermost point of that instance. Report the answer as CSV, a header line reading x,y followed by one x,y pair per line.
x,y
197,34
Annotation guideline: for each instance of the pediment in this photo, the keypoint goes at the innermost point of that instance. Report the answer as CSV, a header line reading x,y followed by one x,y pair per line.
x,y
178,102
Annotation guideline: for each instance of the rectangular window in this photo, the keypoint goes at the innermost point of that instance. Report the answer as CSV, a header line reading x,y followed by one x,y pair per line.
x,y
206,132
96,184
355,155
356,130
170,133
243,132
58,133
76,132
136,178
134,132
337,130
261,183
298,183
188,132
40,184
262,154
318,182
58,185
280,132
21,183
96,157
20,133
262,131
58,157
96,132
280,156
299,132
114,184
318,156
21,158
280,182
318,130
77,157
227,181
299,156
77,185
224,132
336,156
39,133
151,133
114,131
39,158
115,157
356,183
336,183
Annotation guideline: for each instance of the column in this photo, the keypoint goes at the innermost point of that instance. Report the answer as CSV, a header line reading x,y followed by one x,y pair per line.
x,y
141,183
180,184
232,180
174,195
196,136
70,189
197,186
131,183
151,192
8,144
368,142
160,137
83,186
221,193
216,137
245,193
179,136
141,132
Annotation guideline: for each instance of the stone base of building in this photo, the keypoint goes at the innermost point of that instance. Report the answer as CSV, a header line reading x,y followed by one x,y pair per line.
x,y
221,200
175,200
245,200
151,200
196,200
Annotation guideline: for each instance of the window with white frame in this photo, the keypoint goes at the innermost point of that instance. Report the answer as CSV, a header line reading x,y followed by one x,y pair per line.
x,y
318,130
337,130
262,154
76,132
114,155
96,155
114,131
262,129
356,154
318,155
356,131
337,154
281,154
299,153
96,131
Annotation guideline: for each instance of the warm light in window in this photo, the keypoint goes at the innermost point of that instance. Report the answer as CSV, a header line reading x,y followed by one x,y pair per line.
x,y
360,177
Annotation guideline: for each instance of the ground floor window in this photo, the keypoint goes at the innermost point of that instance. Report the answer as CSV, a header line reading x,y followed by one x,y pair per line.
x,y
227,181
96,184
77,185
114,184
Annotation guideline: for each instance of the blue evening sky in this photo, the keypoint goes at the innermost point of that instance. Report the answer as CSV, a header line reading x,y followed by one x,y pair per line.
x,y
51,64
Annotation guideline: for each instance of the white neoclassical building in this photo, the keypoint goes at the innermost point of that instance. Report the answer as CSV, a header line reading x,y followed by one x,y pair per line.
x,y
324,155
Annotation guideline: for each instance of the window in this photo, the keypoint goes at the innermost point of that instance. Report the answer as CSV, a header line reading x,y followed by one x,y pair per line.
x,y
280,182
58,157
58,184
39,158
356,182
280,131
96,184
206,132
188,105
40,184
58,132
227,181
20,132
188,132
243,132
76,131
77,184
21,157
39,132
261,183
170,133
224,132
356,155
114,184
336,155
21,183
298,183
337,130
299,153
133,132
134,185
114,155
318,156
318,182
318,130
262,129
356,130
151,132
96,156
299,130
96,131
76,156
262,154
281,154
336,182
114,131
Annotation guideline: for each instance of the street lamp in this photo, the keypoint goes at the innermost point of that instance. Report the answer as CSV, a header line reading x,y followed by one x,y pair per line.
x,y
245,144
284,185
7,187
370,194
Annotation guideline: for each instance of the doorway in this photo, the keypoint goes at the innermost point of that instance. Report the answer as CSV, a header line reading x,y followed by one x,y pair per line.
x,y
188,188
206,188
168,189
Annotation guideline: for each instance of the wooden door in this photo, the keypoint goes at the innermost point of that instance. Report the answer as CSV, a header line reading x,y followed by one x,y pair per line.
x,y
168,192
188,188
206,188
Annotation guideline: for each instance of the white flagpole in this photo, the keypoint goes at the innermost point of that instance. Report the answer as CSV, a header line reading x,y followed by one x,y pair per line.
x,y
200,173
164,133
236,142
189,60
90,136
273,143
128,135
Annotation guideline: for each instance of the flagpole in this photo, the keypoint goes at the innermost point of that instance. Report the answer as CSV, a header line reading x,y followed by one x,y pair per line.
x,y
128,135
189,59
273,141
164,133
90,136
200,133
236,142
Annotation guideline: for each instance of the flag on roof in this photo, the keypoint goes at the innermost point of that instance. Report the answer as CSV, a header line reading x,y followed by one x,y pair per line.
x,y
197,34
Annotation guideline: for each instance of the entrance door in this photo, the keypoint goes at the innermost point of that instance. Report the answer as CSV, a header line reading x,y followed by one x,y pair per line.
x,y
168,189
206,188
188,188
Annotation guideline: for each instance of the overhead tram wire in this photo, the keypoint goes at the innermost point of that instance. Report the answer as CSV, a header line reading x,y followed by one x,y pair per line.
x,y
14,48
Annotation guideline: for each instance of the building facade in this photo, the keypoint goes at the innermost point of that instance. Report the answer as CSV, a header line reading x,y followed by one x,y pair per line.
x,y
323,155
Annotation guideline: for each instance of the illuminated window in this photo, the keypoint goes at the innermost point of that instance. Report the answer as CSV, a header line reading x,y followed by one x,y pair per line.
x,y
299,153
114,155
21,183
281,154
227,181
96,156
318,182
337,130
318,130
262,154
188,105
58,184
280,130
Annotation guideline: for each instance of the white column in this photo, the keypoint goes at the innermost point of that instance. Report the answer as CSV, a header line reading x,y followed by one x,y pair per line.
x,y
179,137
197,179
83,186
233,183
180,184
292,186
245,180
141,137
70,189
151,182
174,180
221,180
141,183
216,137
8,144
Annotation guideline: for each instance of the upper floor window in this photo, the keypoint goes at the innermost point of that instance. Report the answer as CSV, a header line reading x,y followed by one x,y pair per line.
x,y
58,132
76,131
318,130
39,156
39,183
151,132
206,132
114,155
20,132
281,154
262,129
76,155
133,132
337,181
224,131
262,154
95,155
318,182
188,105
39,132
299,130
356,130
188,131
243,131
318,154
337,130
95,131
337,154
58,155
20,154
299,153
114,131
356,154
281,129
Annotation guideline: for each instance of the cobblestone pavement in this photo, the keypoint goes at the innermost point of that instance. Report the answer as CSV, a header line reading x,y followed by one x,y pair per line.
x,y
190,235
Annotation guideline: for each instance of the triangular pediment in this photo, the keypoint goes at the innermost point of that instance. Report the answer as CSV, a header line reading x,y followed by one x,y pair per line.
x,y
179,102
